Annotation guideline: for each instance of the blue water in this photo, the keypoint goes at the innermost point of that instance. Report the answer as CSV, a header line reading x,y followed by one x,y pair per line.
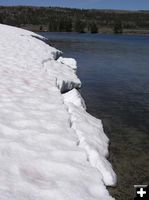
x,y
114,70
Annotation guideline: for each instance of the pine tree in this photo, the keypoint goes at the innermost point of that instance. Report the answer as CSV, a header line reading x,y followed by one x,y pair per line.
x,y
93,28
53,25
118,29
65,25
79,26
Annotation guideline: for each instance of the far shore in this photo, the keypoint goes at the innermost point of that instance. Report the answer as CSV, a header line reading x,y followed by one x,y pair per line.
x,y
101,31
60,19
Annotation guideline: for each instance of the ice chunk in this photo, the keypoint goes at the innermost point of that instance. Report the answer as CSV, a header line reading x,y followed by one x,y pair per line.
x,y
71,62
74,97
64,76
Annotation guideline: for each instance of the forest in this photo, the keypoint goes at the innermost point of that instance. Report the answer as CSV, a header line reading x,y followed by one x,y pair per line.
x,y
56,19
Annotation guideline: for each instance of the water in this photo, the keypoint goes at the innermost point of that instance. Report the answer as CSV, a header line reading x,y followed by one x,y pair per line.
x,y
114,71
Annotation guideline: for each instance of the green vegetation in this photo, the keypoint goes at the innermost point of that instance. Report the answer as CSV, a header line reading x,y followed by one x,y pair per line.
x,y
93,28
118,29
79,26
76,20
59,25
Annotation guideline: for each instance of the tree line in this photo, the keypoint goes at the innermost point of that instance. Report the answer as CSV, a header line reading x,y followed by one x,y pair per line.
x,y
76,20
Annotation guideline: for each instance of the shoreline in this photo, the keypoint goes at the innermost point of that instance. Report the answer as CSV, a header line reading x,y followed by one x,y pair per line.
x,y
125,32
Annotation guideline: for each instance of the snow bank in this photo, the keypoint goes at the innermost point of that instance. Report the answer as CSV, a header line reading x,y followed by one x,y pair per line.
x,y
50,147
91,136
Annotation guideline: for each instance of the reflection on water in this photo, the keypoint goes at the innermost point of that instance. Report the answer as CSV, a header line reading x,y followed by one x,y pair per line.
x,y
114,71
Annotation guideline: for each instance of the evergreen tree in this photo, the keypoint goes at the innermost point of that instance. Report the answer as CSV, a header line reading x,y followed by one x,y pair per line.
x,y
79,26
53,25
1,19
65,25
118,29
93,28
68,25
41,28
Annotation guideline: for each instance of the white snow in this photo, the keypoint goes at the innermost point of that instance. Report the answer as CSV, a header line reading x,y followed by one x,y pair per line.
x,y
91,136
73,96
62,75
50,147
71,62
